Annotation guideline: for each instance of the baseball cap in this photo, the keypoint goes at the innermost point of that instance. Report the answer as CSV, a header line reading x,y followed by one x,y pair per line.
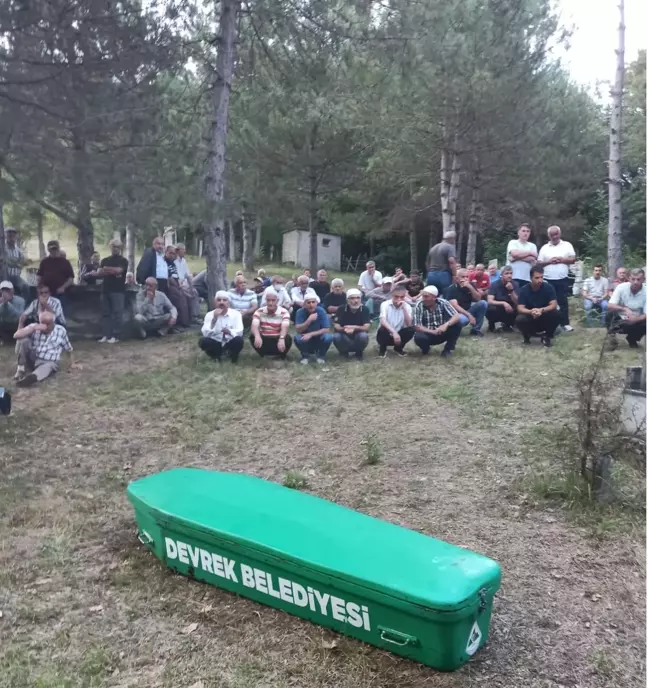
x,y
53,244
353,292
388,280
6,284
431,290
11,230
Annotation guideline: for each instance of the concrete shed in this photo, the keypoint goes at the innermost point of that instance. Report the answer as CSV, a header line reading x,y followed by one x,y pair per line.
x,y
296,249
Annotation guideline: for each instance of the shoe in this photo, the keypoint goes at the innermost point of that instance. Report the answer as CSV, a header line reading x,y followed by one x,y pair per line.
x,y
320,361
112,340
446,353
304,361
547,343
476,333
20,372
234,358
526,341
400,352
382,353
345,355
633,345
163,333
103,340
491,327
425,352
568,328
27,380
359,355
506,328
559,330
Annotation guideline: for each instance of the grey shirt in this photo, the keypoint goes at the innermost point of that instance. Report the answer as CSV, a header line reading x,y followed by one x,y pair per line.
x,y
13,309
154,309
439,256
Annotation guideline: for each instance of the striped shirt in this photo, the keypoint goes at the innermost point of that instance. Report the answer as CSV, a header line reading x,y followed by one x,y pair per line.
x,y
49,347
244,301
270,324
54,305
433,318
15,258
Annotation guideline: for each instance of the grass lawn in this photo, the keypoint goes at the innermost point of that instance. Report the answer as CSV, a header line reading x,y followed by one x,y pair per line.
x,y
465,450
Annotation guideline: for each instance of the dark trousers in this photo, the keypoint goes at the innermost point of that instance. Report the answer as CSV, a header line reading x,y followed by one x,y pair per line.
x,y
354,343
269,346
424,340
179,299
498,314
112,313
7,329
385,339
562,290
163,285
529,326
216,349
635,332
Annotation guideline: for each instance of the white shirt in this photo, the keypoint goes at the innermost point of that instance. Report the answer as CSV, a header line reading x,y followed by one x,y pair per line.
x,y
283,300
161,267
623,296
367,282
395,316
297,295
182,268
232,320
563,249
521,269
597,288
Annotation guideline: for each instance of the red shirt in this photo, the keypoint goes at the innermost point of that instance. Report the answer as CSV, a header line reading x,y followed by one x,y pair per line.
x,y
480,281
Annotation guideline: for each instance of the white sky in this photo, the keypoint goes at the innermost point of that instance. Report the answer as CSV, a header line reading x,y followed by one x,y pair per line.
x,y
591,57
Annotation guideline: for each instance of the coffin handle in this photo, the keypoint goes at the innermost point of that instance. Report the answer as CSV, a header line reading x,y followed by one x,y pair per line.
x,y
389,635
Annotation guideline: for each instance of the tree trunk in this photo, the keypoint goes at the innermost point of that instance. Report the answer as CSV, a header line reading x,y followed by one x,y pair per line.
x,y
3,247
247,226
130,247
232,241
615,253
257,239
221,86
313,225
83,220
461,231
39,234
412,246
450,183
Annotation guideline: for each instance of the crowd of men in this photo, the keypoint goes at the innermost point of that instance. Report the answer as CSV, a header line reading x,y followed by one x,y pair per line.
x,y
529,294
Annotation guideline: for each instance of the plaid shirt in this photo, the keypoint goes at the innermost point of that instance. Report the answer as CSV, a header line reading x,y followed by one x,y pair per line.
x,y
433,319
49,347
14,255
53,304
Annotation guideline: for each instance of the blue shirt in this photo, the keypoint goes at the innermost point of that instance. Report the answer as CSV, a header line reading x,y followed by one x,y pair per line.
x,y
161,267
322,322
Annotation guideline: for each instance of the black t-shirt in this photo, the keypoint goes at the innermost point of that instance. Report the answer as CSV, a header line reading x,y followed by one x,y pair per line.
x,y
415,289
332,299
345,316
320,288
536,299
501,293
111,283
462,295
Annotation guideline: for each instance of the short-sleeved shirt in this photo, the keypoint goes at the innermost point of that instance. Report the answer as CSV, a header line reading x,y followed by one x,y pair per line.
x,y
433,318
49,347
521,269
462,295
54,305
563,249
536,299
481,281
368,282
438,258
244,301
320,288
501,293
270,323
395,316
54,272
337,300
15,259
113,283
344,316
321,323
623,296
598,288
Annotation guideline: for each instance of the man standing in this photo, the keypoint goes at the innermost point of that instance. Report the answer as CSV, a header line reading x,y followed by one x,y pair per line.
x,y
556,256
89,272
441,264
153,310
269,332
39,347
15,261
370,279
537,308
351,325
435,322
480,280
321,285
503,301
336,298
395,323
113,292
222,331
313,325
185,279
467,301
521,254
627,310
11,308
153,264
595,292
44,302
56,272
243,300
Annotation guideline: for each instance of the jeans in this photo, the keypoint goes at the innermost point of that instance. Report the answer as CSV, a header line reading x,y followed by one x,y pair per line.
x,y
216,349
355,343
562,290
112,313
601,307
478,311
547,323
317,345
441,280
385,338
269,346
424,340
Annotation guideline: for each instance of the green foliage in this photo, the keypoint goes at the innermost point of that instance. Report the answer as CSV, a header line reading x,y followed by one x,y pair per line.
x,y
374,449
295,480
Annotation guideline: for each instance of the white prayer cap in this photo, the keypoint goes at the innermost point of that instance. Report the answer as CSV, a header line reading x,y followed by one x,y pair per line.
x,y
310,297
431,290
353,292
223,295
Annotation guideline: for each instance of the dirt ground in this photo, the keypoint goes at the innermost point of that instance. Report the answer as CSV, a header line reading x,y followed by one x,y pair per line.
x,y
460,445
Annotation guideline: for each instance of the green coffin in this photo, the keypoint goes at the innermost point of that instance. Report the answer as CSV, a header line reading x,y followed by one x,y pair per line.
x,y
386,585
